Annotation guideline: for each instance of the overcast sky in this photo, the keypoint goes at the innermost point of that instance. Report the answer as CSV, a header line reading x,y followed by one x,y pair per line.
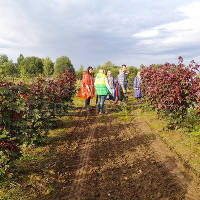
x,y
91,32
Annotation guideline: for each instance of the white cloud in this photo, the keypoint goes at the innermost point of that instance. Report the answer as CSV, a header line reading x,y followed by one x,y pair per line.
x,y
175,34
92,31
5,42
16,27
148,33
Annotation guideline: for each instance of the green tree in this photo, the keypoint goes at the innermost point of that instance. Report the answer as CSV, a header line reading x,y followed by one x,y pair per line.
x,y
132,73
95,70
20,59
61,63
31,66
99,67
48,66
115,71
3,59
113,68
79,73
108,65
8,69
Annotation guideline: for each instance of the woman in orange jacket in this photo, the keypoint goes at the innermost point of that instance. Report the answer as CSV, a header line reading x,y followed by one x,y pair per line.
x,y
87,90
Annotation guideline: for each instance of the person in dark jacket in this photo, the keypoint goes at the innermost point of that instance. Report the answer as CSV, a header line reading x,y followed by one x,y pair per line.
x,y
121,85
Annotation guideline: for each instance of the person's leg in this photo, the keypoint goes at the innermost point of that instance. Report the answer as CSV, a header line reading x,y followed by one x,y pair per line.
x,y
97,98
106,105
115,97
102,99
120,96
126,97
116,100
87,103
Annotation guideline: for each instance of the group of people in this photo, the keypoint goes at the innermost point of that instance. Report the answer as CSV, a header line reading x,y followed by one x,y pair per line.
x,y
104,86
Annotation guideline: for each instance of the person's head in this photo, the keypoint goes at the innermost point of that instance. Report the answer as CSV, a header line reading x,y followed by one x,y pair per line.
x,y
104,71
123,67
101,71
138,74
127,73
89,70
109,73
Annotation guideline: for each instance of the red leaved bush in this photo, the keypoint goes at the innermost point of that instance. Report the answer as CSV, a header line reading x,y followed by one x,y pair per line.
x,y
26,112
63,87
171,88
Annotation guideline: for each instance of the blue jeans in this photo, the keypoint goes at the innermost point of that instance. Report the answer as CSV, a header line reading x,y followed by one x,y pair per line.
x,y
101,102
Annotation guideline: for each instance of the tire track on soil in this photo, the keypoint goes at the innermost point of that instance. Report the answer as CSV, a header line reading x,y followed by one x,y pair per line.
x,y
113,151
75,161
85,148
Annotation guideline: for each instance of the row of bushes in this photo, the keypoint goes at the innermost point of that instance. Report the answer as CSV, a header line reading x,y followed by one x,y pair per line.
x,y
171,89
26,112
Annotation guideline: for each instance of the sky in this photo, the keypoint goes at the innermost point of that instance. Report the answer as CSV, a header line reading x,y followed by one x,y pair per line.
x,y
92,32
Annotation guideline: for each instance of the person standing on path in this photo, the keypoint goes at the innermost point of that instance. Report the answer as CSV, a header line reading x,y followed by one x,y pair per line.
x,y
116,89
122,83
97,97
136,86
102,89
111,84
87,90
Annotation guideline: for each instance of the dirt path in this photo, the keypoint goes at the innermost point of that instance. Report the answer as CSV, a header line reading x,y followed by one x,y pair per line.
x,y
117,159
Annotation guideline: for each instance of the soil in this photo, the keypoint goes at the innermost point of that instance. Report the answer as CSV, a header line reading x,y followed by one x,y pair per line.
x,y
109,158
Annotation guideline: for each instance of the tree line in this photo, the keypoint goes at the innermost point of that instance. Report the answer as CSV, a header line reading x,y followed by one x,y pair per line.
x,y
34,66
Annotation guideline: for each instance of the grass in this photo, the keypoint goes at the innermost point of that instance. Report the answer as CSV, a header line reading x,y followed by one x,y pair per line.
x,y
31,174
185,145
81,102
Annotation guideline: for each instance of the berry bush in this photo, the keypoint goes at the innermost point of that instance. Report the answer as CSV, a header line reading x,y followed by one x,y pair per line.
x,y
171,89
26,112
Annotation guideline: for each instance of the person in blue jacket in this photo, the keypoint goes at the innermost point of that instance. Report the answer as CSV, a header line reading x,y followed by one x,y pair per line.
x,y
136,86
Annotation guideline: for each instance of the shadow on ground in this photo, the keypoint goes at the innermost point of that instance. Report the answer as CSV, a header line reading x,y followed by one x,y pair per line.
x,y
112,173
